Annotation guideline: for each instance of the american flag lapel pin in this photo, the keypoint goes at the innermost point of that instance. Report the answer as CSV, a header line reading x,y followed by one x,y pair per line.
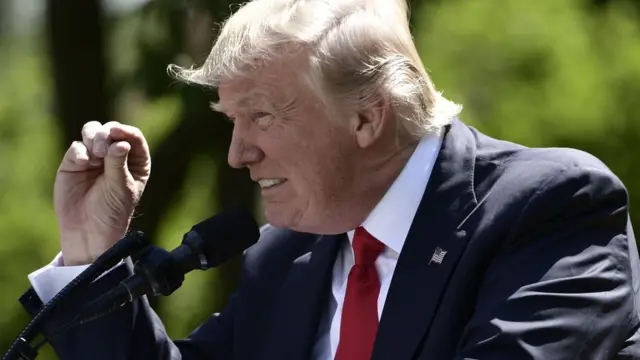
x,y
438,256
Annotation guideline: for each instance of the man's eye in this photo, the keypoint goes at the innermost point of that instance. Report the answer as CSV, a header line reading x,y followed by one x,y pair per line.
x,y
262,118
259,114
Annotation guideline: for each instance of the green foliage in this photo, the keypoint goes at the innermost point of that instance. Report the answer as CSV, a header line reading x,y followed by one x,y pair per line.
x,y
29,157
542,73
193,302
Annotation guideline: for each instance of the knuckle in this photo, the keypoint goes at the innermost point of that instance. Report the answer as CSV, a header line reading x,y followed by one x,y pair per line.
x,y
88,138
75,147
128,129
88,126
76,151
136,133
129,133
101,135
111,124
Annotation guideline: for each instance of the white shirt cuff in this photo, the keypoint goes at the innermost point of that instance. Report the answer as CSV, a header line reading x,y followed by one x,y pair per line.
x,y
49,280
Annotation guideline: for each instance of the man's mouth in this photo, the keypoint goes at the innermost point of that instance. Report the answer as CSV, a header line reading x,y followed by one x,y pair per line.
x,y
269,183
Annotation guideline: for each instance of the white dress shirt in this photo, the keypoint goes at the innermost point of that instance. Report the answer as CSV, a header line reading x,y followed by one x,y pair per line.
x,y
389,222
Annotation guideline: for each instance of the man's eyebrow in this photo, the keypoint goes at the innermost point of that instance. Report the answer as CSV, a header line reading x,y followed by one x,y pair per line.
x,y
241,101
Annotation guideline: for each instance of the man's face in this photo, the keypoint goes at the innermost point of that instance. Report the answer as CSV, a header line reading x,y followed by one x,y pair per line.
x,y
303,160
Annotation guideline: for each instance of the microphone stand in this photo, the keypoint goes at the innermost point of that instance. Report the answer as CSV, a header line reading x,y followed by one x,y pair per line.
x,y
162,276
21,349
157,272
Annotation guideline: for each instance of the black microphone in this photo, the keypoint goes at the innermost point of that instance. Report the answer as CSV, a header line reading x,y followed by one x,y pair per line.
x,y
159,272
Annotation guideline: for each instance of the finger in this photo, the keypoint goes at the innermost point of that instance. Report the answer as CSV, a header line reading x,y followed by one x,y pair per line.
x,y
76,158
115,163
89,132
132,135
102,139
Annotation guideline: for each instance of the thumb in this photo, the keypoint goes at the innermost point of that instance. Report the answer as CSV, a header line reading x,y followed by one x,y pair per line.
x,y
115,163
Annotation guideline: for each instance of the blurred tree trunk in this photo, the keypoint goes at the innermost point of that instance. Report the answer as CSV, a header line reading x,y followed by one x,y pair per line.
x,y
600,5
76,47
5,8
199,131
233,188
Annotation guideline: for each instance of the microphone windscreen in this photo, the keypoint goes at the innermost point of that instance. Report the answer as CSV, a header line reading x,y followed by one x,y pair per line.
x,y
226,235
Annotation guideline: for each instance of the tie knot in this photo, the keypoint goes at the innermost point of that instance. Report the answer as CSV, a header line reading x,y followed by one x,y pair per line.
x,y
366,247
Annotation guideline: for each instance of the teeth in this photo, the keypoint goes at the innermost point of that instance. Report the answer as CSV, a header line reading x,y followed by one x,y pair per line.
x,y
267,183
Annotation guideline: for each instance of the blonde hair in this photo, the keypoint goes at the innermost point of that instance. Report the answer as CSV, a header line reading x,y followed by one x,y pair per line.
x,y
359,52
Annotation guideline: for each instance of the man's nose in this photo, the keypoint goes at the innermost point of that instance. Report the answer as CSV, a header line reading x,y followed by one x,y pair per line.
x,y
242,152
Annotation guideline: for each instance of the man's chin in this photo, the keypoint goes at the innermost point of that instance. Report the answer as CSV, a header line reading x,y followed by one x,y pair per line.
x,y
277,215
283,215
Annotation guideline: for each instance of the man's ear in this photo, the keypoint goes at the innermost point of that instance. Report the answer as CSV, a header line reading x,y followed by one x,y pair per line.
x,y
370,121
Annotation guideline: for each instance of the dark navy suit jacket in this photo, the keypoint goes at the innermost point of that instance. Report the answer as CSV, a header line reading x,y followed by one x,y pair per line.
x,y
541,263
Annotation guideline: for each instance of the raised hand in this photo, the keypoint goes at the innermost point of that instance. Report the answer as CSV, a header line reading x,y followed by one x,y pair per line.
x,y
97,187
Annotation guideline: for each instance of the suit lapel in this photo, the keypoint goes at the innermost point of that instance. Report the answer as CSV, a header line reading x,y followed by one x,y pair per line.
x,y
304,297
431,251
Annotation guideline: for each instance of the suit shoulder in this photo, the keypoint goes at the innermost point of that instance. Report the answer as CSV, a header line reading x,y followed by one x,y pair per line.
x,y
513,165
509,155
555,158
565,167
559,182
547,179
531,189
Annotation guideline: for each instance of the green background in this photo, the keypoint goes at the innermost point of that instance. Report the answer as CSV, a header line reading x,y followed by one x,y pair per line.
x,y
542,73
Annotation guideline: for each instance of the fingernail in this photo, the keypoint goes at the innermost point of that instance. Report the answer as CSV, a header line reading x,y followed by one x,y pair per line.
x,y
101,150
94,162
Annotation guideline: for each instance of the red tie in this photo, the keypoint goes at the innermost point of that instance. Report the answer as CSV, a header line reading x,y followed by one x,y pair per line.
x,y
360,312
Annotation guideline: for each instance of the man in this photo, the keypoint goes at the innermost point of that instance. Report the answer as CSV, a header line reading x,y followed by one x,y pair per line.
x,y
396,231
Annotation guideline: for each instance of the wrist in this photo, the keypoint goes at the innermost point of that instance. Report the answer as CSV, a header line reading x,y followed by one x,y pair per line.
x,y
75,250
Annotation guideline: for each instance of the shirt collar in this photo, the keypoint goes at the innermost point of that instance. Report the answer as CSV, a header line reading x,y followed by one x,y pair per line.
x,y
390,220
